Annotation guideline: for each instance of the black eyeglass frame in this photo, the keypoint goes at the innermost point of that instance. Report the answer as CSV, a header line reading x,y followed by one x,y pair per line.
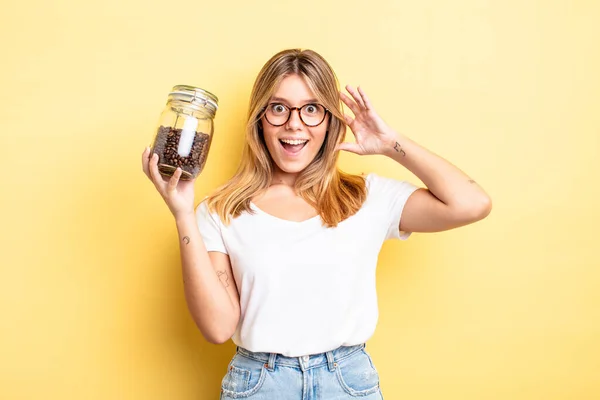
x,y
290,109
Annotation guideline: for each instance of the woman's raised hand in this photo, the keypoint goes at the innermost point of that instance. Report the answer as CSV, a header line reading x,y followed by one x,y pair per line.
x,y
373,135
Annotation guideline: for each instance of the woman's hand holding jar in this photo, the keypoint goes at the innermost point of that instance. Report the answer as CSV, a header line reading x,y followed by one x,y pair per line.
x,y
178,194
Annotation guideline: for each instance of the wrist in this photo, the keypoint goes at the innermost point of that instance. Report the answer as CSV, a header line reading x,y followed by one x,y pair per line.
x,y
394,145
184,216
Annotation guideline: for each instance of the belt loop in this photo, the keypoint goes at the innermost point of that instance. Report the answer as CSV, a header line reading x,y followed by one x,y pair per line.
x,y
271,363
331,361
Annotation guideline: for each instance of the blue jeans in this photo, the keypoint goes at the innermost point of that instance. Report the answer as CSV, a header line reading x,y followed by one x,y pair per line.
x,y
341,374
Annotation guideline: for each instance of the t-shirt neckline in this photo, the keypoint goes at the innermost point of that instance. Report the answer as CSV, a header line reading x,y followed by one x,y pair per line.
x,y
287,221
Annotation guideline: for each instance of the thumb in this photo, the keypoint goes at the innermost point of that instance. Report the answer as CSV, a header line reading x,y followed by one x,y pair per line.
x,y
351,147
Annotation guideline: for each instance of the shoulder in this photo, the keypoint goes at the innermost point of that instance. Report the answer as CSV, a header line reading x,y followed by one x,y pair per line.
x,y
202,207
383,187
377,182
374,179
203,211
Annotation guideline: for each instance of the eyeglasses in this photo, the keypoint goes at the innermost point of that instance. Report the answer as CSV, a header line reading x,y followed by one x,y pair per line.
x,y
311,114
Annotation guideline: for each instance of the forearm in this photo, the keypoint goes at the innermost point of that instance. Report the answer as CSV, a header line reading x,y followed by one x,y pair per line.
x,y
444,180
209,303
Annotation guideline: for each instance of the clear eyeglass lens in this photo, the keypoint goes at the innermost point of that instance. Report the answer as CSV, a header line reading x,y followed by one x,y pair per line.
x,y
311,114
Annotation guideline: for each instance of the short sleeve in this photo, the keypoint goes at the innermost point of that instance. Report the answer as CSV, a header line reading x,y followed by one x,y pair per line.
x,y
390,197
209,226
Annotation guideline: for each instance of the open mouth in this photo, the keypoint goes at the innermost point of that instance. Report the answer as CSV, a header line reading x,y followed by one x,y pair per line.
x,y
293,147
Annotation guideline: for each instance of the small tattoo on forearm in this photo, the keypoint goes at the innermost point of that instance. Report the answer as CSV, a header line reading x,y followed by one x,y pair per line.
x,y
398,148
223,278
186,240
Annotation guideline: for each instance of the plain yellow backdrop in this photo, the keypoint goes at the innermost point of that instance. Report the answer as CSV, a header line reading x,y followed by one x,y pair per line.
x,y
90,286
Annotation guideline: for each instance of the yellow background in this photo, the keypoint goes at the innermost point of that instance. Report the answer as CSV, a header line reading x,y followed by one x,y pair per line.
x,y
91,290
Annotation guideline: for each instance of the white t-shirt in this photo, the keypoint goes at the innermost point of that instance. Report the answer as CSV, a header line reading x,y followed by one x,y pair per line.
x,y
304,288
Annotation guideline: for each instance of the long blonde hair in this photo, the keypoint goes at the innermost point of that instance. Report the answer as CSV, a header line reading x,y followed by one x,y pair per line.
x,y
335,195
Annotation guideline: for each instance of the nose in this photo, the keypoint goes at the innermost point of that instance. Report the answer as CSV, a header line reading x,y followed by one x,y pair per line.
x,y
294,122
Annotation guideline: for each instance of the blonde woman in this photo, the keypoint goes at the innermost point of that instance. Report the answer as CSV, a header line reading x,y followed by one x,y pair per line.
x,y
281,259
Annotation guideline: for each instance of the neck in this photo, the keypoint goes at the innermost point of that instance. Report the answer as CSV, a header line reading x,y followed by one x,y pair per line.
x,y
284,178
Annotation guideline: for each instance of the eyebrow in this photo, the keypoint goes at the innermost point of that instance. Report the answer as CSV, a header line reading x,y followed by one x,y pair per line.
x,y
286,102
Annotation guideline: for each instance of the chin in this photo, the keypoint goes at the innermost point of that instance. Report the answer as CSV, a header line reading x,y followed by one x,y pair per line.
x,y
291,167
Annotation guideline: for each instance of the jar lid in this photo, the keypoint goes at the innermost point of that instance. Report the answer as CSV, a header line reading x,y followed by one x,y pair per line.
x,y
195,96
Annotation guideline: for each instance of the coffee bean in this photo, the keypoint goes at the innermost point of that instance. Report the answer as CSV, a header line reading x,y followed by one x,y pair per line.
x,y
166,144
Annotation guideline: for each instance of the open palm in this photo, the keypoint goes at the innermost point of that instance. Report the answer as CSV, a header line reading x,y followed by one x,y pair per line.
x,y
372,134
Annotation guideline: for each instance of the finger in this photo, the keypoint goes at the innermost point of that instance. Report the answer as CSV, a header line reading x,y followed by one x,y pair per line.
x,y
145,161
355,95
351,104
172,186
366,100
349,120
350,147
157,178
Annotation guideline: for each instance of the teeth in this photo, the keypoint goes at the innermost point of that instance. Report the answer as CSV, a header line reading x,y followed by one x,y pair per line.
x,y
294,142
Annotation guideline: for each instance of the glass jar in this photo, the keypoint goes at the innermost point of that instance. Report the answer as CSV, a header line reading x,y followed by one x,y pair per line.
x,y
185,131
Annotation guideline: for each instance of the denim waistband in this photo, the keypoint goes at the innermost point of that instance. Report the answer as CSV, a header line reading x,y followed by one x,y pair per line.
x,y
329,358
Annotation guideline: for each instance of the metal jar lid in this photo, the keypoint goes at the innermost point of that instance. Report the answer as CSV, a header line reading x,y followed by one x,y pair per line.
x,y
197,97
